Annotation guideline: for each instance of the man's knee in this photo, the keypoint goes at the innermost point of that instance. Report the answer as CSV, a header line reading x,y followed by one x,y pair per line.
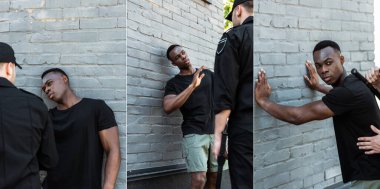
x,y
198,178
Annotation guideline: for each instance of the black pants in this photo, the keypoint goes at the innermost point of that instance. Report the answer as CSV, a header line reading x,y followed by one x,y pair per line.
x,y
240,158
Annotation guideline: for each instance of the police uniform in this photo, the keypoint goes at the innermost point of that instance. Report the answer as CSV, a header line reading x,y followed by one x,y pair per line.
x,y
26,138
233,90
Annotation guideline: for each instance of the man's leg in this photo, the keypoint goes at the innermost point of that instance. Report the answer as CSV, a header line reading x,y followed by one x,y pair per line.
x,y
212,173
240,158
198,180
195,152
211,180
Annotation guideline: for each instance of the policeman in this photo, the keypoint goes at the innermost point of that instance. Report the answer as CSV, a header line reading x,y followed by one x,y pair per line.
x,y
233,93
26,133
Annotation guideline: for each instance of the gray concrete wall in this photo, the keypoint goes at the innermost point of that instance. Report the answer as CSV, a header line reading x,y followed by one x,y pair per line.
x,y
304,156
154,138
87,38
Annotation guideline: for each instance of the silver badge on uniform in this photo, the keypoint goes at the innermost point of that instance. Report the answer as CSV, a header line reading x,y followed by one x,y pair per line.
x,y
221,45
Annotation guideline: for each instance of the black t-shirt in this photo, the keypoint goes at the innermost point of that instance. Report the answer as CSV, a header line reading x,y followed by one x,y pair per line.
x,y
355,109
197,112
80,151
234,75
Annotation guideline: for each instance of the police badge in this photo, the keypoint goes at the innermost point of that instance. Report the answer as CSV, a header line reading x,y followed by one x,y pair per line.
x,y
221,45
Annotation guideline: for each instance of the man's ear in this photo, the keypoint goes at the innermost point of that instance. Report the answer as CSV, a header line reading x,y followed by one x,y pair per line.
x,y
239,10
342,59
9,68
65,79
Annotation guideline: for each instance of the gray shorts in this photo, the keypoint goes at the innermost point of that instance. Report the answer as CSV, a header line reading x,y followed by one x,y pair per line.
x,y
197,152
365,184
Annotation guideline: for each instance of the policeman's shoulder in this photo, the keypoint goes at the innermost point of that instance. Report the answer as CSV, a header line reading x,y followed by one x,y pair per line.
x,y
30,94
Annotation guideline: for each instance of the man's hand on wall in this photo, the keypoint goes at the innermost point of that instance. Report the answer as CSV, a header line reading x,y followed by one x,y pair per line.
x,y
263,89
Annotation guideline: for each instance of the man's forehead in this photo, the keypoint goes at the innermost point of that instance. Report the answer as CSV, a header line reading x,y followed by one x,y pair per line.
x,y
49,76
176,50
324,53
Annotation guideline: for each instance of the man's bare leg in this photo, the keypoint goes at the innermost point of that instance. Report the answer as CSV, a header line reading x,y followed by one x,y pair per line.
x,y
198,180
211,180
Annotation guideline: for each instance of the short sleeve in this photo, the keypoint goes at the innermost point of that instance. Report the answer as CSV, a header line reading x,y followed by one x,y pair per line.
x,y
170,88
105,116
340,100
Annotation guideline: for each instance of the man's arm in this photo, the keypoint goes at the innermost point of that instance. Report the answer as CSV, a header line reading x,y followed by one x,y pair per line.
x,y
296,115
47,154
313,82
371,145
220,125
110,142
173,102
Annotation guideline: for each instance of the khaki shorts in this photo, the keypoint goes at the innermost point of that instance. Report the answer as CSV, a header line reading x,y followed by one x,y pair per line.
x,y
197,153
365,184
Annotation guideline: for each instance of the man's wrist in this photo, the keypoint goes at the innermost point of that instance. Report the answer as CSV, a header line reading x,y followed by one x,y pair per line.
x,y
192,86
108,186
261,101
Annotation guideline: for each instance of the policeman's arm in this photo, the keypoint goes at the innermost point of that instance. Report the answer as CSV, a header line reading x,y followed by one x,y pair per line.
x,y
47,154
110,142
220,125
370,144
173,102
296,115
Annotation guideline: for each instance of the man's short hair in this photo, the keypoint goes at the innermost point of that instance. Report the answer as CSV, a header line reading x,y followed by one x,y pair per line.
x,y
326,43
248,5
171,47
55,70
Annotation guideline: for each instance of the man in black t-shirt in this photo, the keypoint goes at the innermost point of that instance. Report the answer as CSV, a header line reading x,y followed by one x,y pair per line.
x,y
351,104
191,92
84,128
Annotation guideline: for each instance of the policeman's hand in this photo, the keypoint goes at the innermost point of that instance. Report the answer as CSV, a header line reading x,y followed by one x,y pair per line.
x,y
216,145
371,145
373,77
312,82
197,78
263,89
226,153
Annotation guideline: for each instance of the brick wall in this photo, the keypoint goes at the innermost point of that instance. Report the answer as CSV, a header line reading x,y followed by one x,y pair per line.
x,y
154,139
87,38
304,156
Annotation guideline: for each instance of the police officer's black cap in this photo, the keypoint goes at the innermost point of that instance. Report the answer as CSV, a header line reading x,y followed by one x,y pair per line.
x,y
7,54
236,3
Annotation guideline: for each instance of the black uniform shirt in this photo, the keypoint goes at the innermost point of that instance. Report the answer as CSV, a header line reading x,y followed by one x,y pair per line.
x,y
26,138
233,80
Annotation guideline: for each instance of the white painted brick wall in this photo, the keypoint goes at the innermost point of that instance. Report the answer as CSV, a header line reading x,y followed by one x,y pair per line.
x,y
86,38
304,156
154,139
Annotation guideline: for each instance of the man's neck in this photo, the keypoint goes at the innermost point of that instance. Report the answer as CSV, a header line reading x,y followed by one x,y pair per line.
x,y
341,79
69,99
244,17
188,71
